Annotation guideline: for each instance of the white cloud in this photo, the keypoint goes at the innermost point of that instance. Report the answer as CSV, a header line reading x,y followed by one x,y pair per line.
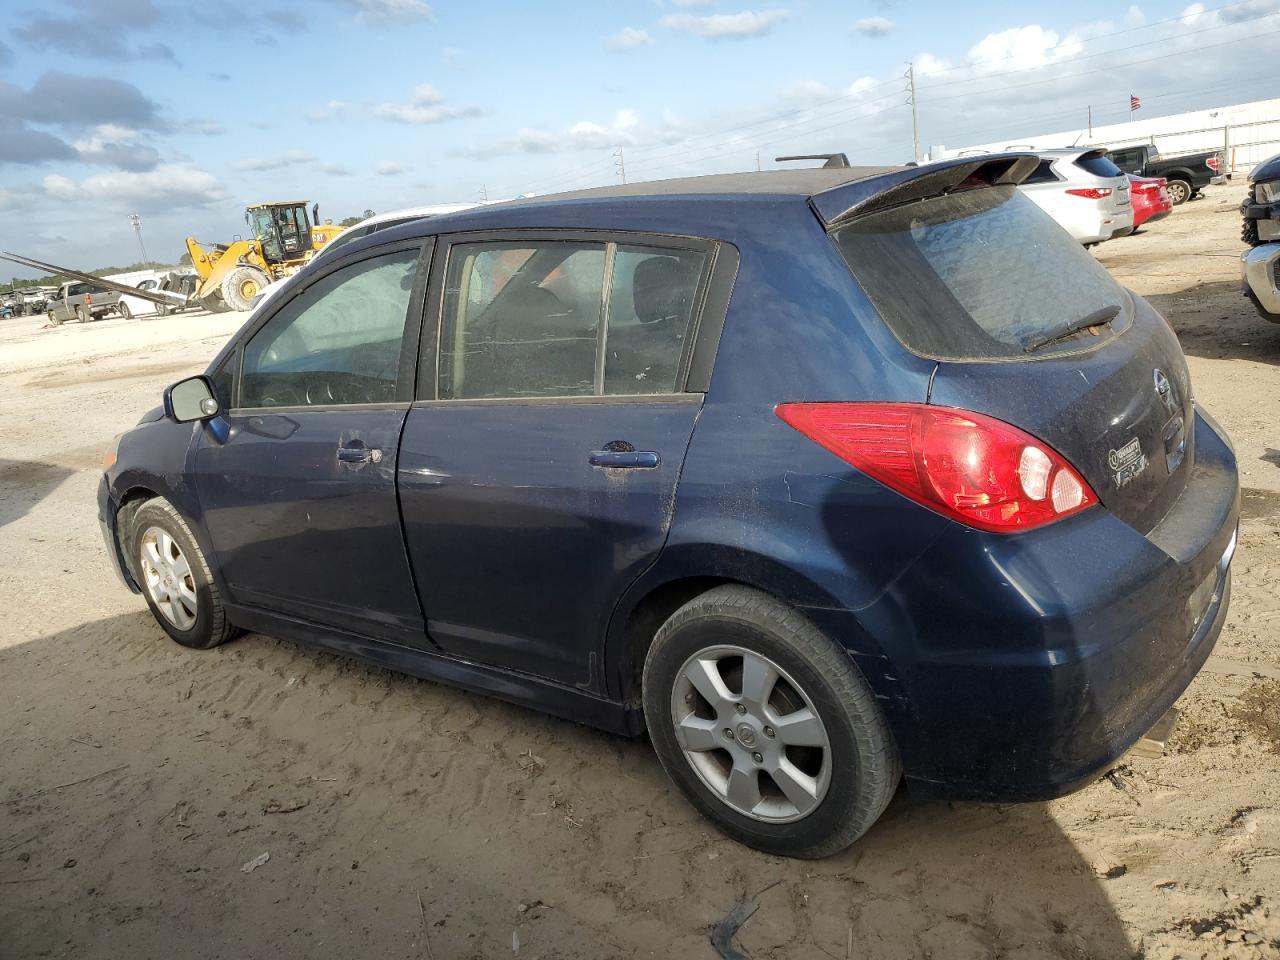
x,y
583,135
333,110
454,58
874,26
629,38
277,162
727,26
394,11
693,3
389,168
425,105
1022,48
167,187
626,119
1134,17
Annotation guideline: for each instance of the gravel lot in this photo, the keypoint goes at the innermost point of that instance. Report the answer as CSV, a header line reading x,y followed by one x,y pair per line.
x,y
407,819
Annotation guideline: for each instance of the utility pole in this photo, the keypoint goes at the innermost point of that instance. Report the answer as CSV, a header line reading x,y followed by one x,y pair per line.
x,y
1091,121
620,162
757,161
915,123
137,228
484,193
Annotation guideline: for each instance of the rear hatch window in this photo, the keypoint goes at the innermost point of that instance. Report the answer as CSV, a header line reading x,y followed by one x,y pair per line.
x,y
1098,165
981,274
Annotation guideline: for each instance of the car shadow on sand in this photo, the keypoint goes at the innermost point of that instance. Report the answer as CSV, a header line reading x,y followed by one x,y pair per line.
x,y
1216,321
24,483
141,779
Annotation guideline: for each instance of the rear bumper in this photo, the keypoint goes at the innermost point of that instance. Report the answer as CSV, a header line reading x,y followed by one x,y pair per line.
x,y
1019,667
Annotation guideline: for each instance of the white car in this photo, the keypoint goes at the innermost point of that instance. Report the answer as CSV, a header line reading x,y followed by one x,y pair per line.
x,y
1084,191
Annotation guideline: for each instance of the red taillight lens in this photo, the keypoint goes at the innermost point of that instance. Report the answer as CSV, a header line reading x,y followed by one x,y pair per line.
x,y
1091,193
1214,163
972,468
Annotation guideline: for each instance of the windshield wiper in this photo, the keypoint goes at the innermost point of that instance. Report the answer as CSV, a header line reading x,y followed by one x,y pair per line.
x,y
1098,318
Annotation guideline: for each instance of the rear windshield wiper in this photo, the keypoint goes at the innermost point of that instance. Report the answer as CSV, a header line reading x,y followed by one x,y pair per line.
x,y
1098,318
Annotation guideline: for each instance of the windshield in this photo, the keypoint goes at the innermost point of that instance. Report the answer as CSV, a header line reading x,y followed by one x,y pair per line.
x,y
979,274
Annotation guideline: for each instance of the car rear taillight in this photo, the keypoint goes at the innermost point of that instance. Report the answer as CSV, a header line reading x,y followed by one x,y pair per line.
x,y
972,468
1214,163
1091,193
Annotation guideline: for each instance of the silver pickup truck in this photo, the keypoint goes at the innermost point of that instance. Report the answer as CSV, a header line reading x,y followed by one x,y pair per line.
x,y
1260,264
82,301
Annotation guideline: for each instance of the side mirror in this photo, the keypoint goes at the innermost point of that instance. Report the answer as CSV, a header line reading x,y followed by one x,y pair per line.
x,y
190,399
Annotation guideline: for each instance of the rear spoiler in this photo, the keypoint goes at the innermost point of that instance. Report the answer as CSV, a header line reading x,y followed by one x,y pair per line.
x,y
849,201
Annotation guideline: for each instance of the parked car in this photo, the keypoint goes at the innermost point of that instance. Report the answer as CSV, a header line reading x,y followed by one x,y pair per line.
x,y
1187,173
82,301
173,282
820,476
1260,264
1150,199
1084,191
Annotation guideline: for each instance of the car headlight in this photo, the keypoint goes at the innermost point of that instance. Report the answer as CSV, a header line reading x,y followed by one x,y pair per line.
x,y
1269,192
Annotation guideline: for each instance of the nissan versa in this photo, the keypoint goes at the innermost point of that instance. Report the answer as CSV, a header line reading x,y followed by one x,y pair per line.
x,y
824,478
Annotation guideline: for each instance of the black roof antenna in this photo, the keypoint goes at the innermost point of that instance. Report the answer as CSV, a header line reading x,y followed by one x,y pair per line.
x,y
832,159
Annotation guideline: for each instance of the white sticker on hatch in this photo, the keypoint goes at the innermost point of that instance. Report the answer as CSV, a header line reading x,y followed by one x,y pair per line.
x,y
1127,462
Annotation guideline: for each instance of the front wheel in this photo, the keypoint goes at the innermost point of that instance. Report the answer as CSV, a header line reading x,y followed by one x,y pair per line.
x,y
1179,191
125,311
241,287
55,319
766,725
175,578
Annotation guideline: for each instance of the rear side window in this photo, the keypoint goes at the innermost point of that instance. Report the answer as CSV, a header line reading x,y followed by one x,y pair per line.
x,y
981,274
539,319
1043,173
1098,165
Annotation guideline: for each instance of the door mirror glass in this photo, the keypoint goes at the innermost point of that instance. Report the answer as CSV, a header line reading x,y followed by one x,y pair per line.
x,y
190,399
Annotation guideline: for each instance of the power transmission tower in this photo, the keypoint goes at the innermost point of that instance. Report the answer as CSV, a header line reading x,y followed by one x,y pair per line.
x,y
137,228
484,193
620,162
911,99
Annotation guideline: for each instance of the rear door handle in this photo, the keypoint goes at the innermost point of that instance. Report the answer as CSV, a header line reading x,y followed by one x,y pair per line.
x,y
360,454
624,459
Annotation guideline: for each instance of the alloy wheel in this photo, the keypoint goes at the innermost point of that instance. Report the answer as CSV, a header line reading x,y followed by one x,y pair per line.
x,y
751,734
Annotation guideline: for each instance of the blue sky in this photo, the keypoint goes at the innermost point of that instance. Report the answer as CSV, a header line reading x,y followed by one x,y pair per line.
x,y
183,113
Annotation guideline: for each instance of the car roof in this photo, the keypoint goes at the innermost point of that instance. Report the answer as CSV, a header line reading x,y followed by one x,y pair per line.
x,y
802,182
835,194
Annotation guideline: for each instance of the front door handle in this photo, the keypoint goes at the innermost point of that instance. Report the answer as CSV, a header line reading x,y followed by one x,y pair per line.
x,y
624,459
361,454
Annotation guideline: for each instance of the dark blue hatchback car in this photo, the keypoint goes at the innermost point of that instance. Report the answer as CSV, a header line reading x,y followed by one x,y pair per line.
x,y
824,478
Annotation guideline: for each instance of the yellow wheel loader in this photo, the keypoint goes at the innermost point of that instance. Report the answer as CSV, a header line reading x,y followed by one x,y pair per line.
x,y
283,238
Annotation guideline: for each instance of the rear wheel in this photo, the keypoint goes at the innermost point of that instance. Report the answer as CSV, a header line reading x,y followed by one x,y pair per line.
x,y
175,578
1179,191
125,311
241,287
82,315
766,725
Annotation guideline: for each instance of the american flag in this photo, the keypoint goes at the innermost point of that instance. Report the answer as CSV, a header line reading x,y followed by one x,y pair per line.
x,y
1135,102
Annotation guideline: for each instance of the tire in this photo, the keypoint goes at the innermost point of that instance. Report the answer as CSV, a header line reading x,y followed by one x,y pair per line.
x,y
1179,191
162,309
82,315
847,781
54,319
195,616
125,311
241,287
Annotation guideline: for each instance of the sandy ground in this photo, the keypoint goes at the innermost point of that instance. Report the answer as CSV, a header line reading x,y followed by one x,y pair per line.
x,y
406,819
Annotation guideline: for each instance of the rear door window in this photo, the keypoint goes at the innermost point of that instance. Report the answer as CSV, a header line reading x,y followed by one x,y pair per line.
x,y
566,318
979,274
1098,165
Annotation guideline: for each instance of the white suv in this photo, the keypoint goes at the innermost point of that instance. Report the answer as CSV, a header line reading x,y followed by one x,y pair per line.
x,y
1084,191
